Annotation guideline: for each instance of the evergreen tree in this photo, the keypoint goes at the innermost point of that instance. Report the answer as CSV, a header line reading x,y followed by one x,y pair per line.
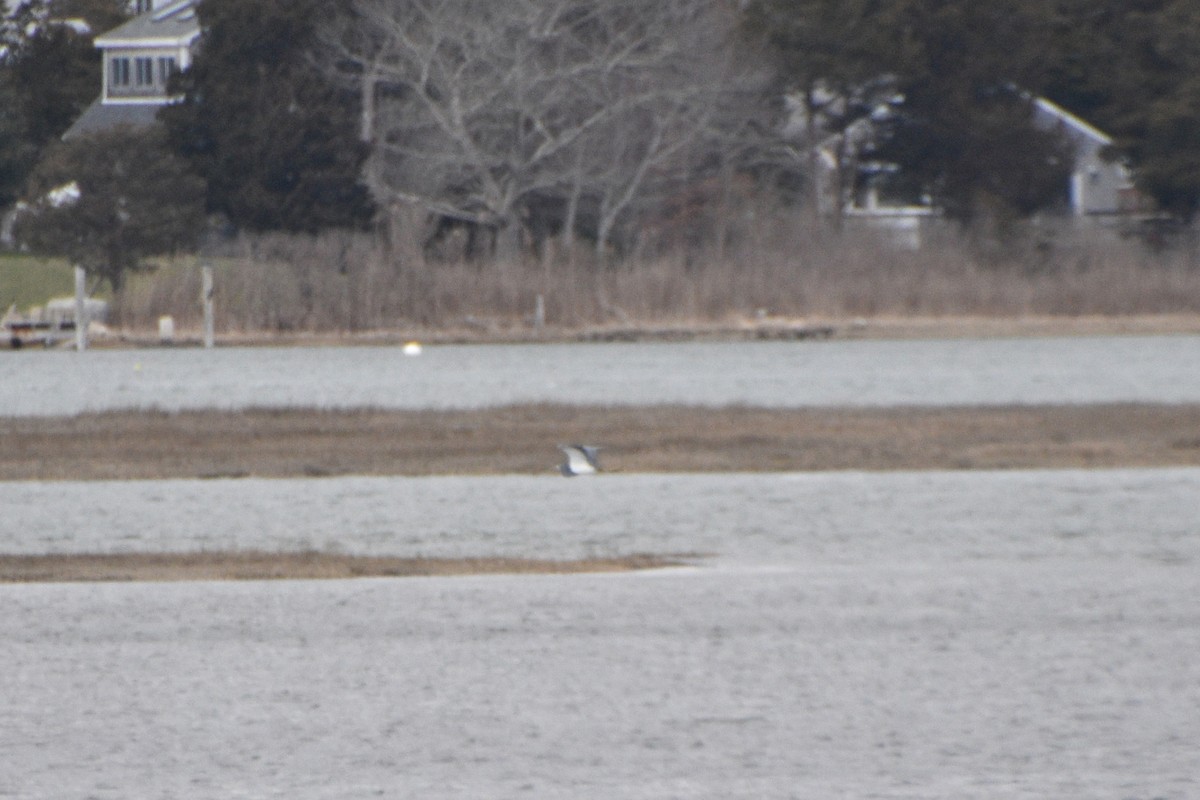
x,y
109,201
834,43
274,137
17,154
963,133
966,130
965,69
49,73
829,57
1147,94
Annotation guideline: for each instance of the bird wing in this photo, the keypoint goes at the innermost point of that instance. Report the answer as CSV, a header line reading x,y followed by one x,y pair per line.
x,y
579,460
592,454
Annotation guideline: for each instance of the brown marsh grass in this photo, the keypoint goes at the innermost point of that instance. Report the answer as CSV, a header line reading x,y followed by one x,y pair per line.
x,y
779,265
523,440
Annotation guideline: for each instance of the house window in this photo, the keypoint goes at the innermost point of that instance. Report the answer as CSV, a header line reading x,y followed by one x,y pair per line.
x,y
144,68
166,68
118,73
142,6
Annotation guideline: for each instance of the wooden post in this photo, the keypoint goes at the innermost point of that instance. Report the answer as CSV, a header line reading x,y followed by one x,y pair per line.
x,y
81,321
539,313
206,297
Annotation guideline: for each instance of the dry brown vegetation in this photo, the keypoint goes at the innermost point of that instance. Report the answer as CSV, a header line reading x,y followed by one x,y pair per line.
x,y
524,439
255,565
774,263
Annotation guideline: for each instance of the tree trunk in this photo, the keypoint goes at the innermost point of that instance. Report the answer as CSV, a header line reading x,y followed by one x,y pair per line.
x,y
508,242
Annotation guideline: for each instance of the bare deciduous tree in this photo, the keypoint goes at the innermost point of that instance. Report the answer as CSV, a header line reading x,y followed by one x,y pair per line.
x,y
555,115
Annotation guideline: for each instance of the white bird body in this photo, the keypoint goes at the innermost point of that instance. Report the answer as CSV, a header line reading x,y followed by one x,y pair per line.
x,y
582,459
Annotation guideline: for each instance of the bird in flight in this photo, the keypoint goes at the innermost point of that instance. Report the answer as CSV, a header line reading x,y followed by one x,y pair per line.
x,y
581,459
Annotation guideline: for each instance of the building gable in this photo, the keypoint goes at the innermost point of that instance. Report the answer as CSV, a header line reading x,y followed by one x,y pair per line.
x,y
1099,184
140,56
138,59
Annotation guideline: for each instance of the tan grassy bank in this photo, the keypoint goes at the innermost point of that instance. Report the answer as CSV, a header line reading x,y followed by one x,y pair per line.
x,y
524,439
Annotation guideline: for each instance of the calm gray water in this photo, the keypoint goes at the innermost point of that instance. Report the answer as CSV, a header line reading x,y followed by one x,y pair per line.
x,y
774,374
756,519
931,635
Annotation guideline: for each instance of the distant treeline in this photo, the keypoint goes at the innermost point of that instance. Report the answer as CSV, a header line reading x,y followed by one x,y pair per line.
x,y
493,130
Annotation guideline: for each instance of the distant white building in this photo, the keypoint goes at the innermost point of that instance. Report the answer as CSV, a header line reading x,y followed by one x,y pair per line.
x,y
1100,188
903,225
1099,185
60,310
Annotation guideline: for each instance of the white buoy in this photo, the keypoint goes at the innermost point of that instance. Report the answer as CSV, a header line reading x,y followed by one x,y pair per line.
x,y
166,329
412,348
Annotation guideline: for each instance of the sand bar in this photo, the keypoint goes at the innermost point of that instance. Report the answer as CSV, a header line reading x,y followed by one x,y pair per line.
x,y
256,565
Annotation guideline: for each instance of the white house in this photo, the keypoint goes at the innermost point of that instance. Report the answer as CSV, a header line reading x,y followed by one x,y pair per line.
x,y
1099,186
1100,190
138,59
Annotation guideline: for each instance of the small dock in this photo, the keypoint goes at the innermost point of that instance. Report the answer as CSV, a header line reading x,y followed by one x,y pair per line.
x,y
49,325
22,332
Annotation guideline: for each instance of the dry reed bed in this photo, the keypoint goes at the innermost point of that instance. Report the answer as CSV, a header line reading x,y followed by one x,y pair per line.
x,y
341,282
523,439
256,565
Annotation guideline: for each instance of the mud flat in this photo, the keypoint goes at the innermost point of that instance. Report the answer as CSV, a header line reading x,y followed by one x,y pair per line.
x,y
254,565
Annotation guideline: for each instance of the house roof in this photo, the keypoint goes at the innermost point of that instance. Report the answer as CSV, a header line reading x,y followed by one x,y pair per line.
x,y
175,24
1047,111
101,117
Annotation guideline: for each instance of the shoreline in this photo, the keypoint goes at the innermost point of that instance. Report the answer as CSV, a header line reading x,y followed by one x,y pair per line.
x,y
769,328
